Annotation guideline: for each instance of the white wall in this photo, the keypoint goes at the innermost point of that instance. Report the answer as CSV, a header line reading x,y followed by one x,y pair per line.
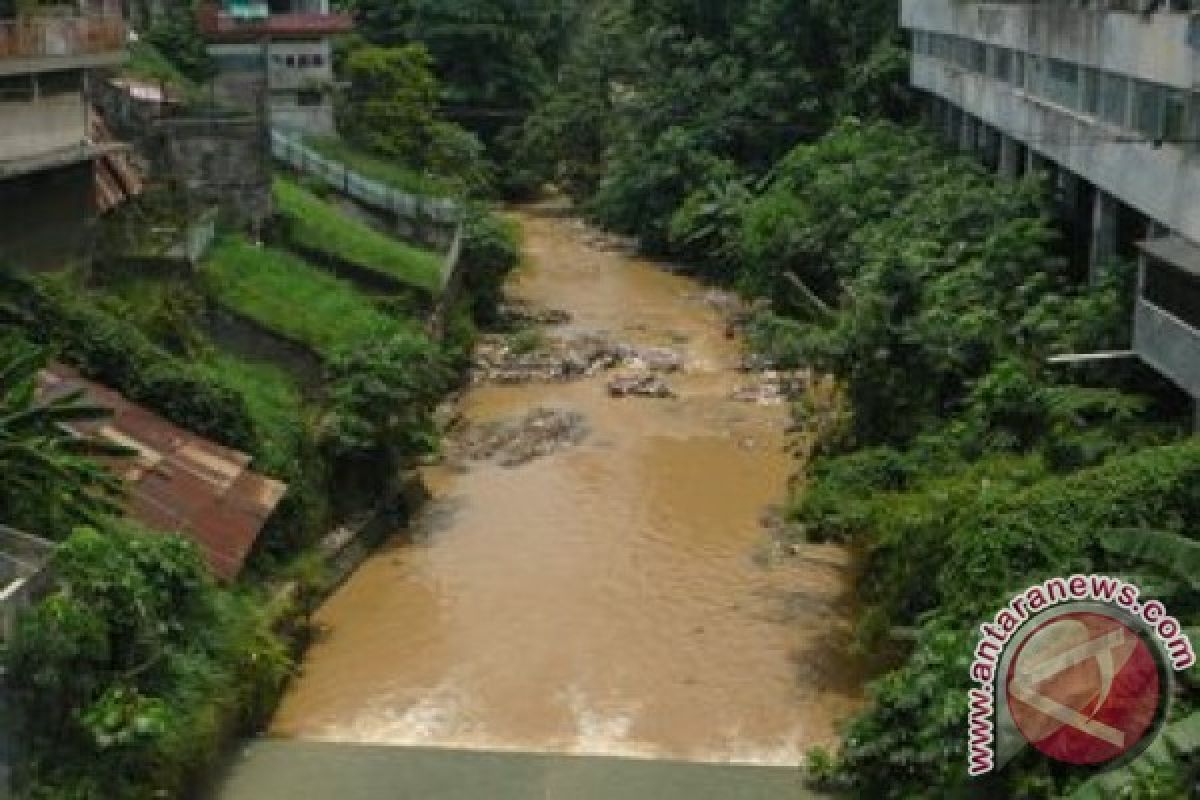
x,y
41,126
1153,47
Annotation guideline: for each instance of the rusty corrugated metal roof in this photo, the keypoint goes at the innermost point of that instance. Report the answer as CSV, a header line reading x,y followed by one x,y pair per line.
x,y
178,481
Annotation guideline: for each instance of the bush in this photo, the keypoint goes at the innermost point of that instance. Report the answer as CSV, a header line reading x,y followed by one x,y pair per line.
x,y
491,249
114,352
127,679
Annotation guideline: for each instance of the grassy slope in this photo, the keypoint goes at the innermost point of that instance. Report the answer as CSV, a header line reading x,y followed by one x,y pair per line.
x,y
375,167
272,396
320,226
294,298
275,404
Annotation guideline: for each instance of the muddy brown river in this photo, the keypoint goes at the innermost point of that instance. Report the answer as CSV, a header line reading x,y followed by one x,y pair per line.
x,y
615,597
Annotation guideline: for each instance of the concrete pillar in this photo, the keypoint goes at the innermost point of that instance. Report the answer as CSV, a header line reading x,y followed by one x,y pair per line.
x,y
1103,245
966,139
1009,167
953,124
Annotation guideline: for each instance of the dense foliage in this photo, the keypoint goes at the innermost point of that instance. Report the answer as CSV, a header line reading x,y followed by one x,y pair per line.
x,y
654,100
52,480
126,679
112,350
969,468
492,58
391,108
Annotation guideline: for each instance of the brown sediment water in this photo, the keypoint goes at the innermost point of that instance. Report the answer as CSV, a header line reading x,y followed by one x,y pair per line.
x,y
614,597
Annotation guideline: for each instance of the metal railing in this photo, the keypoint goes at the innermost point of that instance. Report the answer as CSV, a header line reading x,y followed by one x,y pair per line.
x,y
57,37
290,151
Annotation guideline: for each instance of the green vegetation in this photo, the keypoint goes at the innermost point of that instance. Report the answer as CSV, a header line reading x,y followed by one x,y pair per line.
x,y
377,168
295,299
654,100
146,62
494,60
127,679
390,108
114,351
275,404
175,31
52,480
318,226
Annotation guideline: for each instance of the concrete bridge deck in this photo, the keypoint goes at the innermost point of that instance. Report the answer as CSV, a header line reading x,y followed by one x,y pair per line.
x,y
274,769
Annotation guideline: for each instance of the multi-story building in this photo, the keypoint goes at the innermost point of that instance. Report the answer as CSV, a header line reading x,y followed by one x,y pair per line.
x,y
276,54
1104,96
47,139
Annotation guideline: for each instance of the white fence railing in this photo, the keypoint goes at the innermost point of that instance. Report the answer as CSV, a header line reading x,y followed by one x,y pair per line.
x,y
437,210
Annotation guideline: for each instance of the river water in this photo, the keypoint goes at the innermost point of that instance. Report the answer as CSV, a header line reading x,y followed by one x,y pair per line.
x,y
618,597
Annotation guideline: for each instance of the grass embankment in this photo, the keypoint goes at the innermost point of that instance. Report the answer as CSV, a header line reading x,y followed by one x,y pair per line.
x,y
379,169
295,299
317,225
274,401
165,310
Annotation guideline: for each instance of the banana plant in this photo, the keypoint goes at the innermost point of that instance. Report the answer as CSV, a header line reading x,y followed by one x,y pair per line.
x,y
53,474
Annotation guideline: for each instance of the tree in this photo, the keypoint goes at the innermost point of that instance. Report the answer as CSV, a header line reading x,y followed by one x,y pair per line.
x,y
391,108
52,480
128,676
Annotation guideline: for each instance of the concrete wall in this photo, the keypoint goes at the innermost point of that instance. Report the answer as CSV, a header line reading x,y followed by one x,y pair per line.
x,y
290,88
1160,180
1155,47
222,161
41,125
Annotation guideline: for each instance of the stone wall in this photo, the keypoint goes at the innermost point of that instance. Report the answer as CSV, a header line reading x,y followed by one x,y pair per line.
x,y
221,161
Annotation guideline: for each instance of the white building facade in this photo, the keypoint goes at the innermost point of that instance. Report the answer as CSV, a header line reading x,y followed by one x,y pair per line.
x,y
1104,96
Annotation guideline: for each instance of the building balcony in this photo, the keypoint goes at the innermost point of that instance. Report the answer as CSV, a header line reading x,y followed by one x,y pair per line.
x,y
39,44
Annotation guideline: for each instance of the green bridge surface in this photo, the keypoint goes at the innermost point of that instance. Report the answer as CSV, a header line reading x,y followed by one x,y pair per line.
x,y
273,769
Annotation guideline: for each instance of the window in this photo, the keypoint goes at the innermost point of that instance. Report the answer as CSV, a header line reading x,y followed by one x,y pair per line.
x,y
1002,61
1034,68
302,60
1175,115
1019,70
16,89
976,57
239,62
1148,109
291,61
1062,83
318,60
1114,98
52,83
1173,290
1091,91
308,97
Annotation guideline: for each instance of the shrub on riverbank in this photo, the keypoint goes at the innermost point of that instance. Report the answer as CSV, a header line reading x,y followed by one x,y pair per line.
x,y
972,471
129,677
